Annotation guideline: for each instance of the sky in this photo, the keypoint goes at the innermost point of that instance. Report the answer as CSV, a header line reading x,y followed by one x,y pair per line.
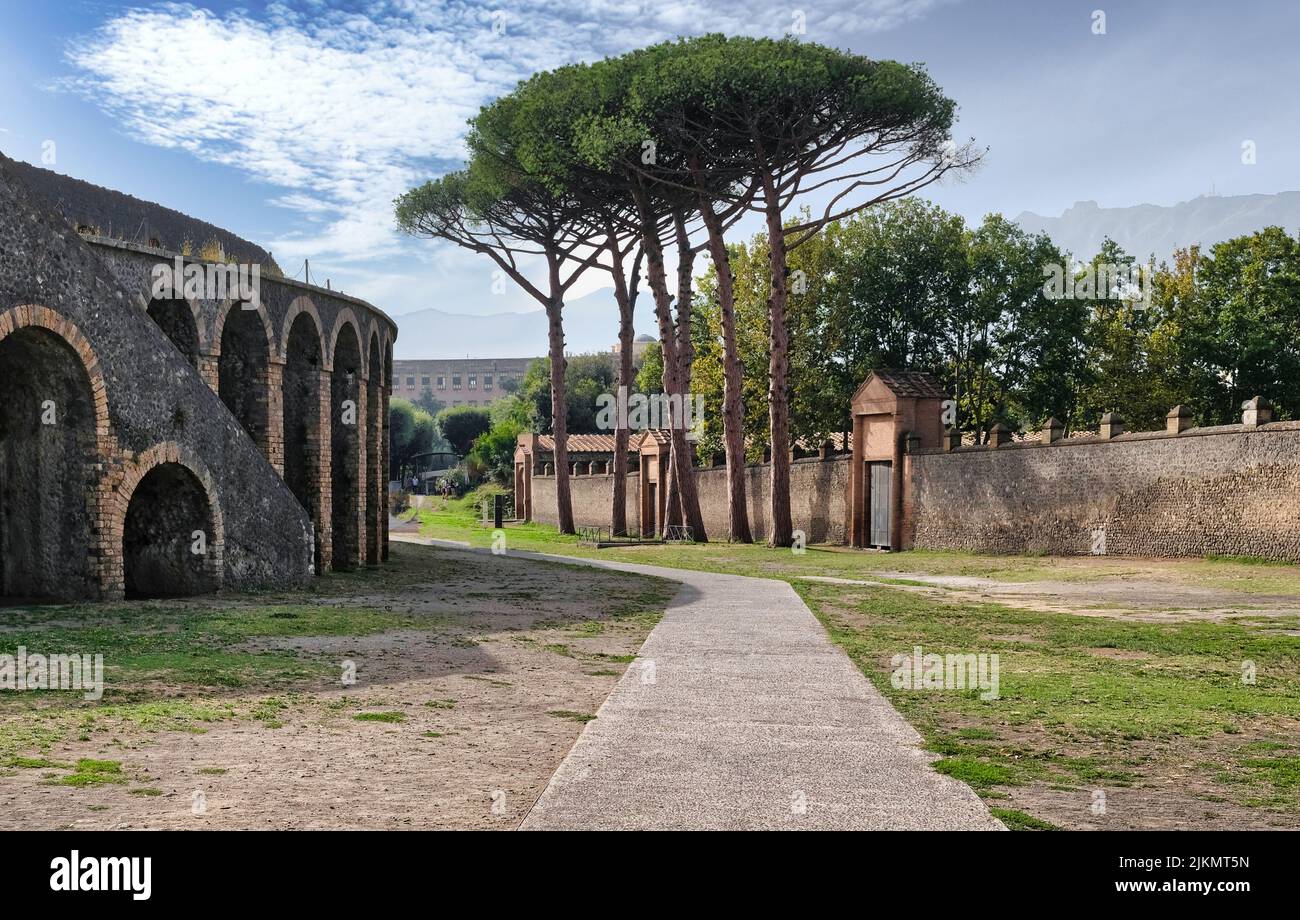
x,y
296,123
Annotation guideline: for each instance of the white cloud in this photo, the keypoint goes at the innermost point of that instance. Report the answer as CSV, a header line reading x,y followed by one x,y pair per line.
x,y
344,110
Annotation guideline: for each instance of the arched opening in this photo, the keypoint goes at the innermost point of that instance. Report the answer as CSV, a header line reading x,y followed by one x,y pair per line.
x,y
302,441
242,370
374,466
168,538
345,450
176,320
47,455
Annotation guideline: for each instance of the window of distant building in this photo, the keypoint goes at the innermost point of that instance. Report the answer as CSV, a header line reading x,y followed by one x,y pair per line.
x,y
442,382
455,381
487,381
410,383
473,381
424,382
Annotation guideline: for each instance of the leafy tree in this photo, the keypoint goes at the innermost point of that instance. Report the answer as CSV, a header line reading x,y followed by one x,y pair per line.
x,y
586,379
1017,356
1249,324
429,403
411,432
461,425
650,378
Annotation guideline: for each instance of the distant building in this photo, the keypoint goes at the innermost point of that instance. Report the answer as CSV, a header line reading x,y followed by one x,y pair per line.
x,y
639,345
459,381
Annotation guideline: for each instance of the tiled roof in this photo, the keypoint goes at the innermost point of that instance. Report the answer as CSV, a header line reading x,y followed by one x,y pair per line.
x,y
660,436
914,384
581,443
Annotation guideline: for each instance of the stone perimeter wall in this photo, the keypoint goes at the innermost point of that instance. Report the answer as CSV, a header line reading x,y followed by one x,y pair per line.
x,y
1230,490
818,491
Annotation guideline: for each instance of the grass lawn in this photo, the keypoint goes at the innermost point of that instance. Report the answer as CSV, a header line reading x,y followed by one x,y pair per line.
x,y
1107,721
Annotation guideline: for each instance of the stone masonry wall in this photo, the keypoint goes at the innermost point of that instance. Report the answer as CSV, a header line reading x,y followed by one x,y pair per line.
x,y
592,496
818,491
151,406
1209,491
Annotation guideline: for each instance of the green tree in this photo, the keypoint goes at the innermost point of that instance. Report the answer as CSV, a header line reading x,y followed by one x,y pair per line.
x,y
429,403
1249,324
411,432
461,425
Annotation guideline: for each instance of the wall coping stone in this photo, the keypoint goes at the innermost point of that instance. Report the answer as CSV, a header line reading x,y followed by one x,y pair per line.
x,y
1128,436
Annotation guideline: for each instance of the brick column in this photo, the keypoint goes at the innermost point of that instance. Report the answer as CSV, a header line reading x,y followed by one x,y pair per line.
x,y
363,451
324,473
275,415
385,462
210,371
378,481
107,566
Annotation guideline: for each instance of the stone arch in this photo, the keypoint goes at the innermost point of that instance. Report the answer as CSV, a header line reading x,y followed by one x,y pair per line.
x,y
242,345
169,525
346,318
374,495
300,305
306,452
347,418
239,308
53,421
179,321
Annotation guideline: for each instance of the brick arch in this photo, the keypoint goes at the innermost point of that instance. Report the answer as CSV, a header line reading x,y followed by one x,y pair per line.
x,y
33,315
121,487
374,346
347,317
97,446
302,304
219,326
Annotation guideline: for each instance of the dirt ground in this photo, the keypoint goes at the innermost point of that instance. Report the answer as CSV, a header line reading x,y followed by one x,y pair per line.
x,y
1152,591
473,710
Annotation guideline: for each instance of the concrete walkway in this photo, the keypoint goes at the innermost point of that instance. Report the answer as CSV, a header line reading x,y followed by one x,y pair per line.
x,y
739,713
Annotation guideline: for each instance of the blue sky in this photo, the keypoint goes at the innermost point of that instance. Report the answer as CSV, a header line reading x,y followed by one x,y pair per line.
x,y
295,123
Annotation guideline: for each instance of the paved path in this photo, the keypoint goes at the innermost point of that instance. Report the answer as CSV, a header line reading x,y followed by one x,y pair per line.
x,y
739,713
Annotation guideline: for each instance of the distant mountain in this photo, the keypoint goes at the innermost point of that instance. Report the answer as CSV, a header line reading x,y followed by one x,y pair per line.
x,y
590,325
1145,229
106,212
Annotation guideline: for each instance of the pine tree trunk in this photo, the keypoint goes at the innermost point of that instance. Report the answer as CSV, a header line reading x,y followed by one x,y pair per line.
x,y
782,532
559,404
618,516
683,448
683,500
733,411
